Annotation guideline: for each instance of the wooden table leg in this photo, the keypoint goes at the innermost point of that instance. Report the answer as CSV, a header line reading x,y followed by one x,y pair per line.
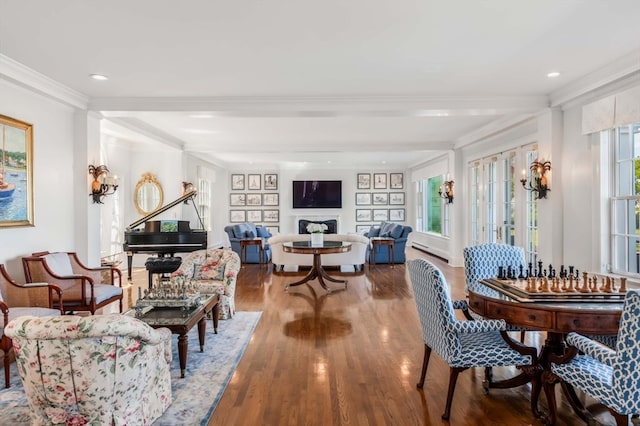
x,y
202,328
183,344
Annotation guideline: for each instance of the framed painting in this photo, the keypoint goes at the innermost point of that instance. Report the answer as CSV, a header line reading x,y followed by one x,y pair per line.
x,y
396,215
254,216
273,229
381,215
271,215
379,181
16,173
237,216
363,215
361,229
364,180
396,180
380,198
270,182
363,198
254,199
255,182
236,200
396,198
237,182
271,199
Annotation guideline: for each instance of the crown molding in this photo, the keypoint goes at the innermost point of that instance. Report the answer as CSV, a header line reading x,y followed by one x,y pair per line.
x,y
26,77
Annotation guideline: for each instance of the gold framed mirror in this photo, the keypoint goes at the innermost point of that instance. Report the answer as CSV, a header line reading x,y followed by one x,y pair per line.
x,y
148,195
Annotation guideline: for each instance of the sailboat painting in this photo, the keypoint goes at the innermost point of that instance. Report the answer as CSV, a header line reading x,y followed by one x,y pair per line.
x,y
16,192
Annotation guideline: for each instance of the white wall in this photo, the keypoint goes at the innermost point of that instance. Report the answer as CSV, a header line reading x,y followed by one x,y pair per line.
x,y
53,174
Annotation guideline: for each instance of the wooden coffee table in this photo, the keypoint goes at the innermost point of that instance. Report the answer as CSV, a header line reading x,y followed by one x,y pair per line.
x,y
181,321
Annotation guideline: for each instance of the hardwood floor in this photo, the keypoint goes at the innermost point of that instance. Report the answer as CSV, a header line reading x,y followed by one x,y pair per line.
x,y
353,358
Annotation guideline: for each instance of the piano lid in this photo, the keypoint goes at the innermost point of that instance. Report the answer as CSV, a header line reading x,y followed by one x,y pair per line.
x,y
186,197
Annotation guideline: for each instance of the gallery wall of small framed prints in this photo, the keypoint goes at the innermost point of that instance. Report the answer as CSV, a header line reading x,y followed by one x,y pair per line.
x,y
254,197
379,197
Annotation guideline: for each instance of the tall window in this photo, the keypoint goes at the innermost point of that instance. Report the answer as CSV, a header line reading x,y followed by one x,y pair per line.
x,y
204,202
475,177
625,202
531,214
431,212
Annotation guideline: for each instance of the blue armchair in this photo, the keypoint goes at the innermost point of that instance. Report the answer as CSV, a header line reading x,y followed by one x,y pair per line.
x,y
246,230
398,232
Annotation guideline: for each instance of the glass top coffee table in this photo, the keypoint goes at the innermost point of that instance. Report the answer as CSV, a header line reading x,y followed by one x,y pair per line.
x,y
180,321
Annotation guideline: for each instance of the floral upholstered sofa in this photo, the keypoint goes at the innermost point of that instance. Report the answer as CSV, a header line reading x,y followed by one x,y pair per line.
x,y
99,370
215,272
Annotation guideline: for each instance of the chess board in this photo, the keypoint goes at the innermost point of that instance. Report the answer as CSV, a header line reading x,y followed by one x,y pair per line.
x,y
536,290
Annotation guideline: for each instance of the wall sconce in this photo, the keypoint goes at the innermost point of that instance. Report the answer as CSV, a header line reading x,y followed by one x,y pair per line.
x,y
538,183
102,184
446,191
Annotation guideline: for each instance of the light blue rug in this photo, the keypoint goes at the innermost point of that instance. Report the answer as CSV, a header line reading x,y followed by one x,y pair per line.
x,y
195,397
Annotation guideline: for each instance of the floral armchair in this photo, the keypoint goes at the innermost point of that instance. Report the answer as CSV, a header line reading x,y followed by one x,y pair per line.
x,y
102,369
215,272
84,288
17,300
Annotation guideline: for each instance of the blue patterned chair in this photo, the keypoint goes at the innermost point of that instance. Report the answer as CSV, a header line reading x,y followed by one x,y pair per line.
x,y
482,261
463,344
610,376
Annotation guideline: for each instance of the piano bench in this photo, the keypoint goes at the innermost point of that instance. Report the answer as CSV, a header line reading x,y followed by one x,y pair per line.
x,y
161,265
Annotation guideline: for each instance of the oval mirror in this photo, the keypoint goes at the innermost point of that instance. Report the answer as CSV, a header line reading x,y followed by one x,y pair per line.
x,y
148,195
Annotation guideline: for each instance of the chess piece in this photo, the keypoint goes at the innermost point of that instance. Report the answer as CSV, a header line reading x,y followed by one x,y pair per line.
x,y
539,274
520,275
623,285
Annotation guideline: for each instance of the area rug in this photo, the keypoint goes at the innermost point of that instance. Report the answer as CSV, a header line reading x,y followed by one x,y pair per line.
x,y
195,396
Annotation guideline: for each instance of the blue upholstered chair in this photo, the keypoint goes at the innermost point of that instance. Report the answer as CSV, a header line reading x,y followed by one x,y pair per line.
x,y
482,261
611,376
246,230
462,344
398,232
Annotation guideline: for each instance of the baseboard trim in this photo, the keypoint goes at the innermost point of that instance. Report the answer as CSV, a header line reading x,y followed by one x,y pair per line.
x,y
425,249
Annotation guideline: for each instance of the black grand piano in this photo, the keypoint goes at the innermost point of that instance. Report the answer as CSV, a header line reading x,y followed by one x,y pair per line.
x,y
164,237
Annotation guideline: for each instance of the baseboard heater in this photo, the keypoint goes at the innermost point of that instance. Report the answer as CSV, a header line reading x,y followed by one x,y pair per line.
x,y
425,249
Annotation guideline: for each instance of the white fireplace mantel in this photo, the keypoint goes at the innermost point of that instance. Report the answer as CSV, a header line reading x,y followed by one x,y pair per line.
x,y
316,217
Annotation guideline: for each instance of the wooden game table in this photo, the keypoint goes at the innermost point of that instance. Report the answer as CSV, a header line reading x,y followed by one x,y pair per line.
x,y
557,319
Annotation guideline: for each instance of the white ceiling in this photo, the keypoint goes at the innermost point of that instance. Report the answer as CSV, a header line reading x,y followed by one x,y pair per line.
x,y
279,82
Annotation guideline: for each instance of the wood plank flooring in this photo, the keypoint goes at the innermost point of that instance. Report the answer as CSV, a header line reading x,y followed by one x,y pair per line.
x,y
353,357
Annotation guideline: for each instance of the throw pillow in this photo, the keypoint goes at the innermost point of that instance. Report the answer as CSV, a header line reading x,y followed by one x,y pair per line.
x,y
210,271
238,231
250,234
263,232
374,232
396,231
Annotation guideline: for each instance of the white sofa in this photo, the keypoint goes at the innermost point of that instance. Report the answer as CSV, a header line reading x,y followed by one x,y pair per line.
x,y
356,256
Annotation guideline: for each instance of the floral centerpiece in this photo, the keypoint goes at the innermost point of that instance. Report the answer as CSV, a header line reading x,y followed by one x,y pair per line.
x,y
317,228
317,233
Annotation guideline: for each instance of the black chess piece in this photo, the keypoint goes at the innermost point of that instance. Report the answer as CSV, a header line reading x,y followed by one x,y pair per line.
x,y
501,272
540,273
520,275
530,270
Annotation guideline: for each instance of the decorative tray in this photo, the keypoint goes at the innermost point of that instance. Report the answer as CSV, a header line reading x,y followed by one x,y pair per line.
x,y
186,302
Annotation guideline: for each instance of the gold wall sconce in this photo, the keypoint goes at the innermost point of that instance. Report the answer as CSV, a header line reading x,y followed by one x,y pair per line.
x,y
446,191
103,184
538,183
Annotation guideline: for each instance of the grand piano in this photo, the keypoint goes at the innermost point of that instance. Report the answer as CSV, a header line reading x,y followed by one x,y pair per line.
x,y
164,237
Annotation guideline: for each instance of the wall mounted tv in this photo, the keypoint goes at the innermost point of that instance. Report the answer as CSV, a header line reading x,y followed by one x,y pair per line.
x,y
317,194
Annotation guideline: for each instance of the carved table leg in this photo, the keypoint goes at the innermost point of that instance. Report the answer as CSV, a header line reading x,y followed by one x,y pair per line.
x,y
183,343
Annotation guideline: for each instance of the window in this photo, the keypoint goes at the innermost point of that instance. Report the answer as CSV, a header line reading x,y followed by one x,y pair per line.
x,y
625,202
432,212
531,214
204,202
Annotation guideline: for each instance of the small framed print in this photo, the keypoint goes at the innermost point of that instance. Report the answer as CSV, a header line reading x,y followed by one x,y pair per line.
x,y
271,215
380,198
237,216
254,199
380,214
363,198
237,182
396,215
273,229
236,200
364,180
270,182
361,229
255,182
379,181
396,180
254,216
271,199
396,198
363,215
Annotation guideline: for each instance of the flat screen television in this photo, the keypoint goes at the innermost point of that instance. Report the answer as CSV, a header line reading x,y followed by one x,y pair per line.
x,y
317,194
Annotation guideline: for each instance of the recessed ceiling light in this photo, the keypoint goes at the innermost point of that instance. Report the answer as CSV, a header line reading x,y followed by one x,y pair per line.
x,y
203,115
553,74
201,131
99,77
